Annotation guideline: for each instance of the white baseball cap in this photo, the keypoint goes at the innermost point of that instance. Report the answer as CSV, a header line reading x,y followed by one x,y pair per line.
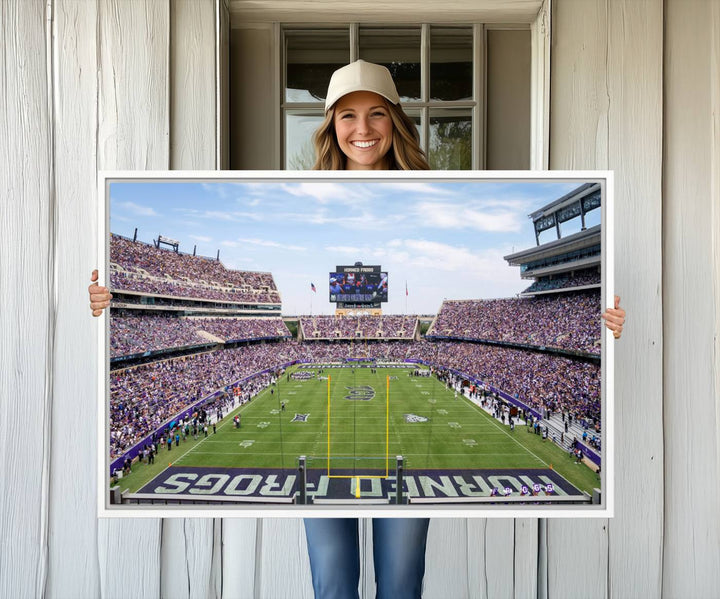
x,y
361,76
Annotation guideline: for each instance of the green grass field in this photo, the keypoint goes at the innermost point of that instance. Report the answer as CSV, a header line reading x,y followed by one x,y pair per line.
x,y
456,435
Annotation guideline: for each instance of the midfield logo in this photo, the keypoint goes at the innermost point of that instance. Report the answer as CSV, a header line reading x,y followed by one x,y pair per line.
x,y
362,393
300,418
411,418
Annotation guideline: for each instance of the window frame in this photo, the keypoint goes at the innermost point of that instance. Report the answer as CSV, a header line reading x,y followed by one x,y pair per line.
x,y
279,14
476,106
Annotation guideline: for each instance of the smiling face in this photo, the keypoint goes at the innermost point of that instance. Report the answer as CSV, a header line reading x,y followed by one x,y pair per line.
x,y
364,130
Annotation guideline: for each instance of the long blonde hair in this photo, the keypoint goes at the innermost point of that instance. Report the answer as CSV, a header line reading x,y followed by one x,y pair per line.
x,y
405,154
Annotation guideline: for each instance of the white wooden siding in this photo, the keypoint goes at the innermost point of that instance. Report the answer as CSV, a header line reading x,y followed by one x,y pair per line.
x,y
692,397
606,112
27,315
635,87
73,542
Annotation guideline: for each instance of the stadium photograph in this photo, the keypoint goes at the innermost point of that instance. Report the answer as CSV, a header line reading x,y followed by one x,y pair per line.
x,y
392,342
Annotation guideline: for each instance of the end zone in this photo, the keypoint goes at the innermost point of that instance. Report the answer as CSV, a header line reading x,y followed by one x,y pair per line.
x,y
237,485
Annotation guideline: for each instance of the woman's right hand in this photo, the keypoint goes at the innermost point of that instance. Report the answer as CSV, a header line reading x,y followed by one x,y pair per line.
x,y
99,296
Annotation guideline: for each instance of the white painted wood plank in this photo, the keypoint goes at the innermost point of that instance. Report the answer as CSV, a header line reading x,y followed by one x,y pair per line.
x,y
499,557
192,84
129,558
526,558
190,568
635,90
490,562
282,568
575,552
73,569
447,559
715,194
133,102
577,559
579,100
133,134
476,563
187,558
239,557
27,317
691,397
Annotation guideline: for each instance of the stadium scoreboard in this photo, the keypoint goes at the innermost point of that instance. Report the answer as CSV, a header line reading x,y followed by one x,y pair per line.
x,y
358,285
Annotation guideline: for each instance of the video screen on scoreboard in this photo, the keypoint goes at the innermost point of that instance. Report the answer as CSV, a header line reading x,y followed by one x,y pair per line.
x,y
358,284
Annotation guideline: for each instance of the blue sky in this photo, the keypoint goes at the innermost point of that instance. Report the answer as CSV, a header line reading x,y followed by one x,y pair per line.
x,y
445,239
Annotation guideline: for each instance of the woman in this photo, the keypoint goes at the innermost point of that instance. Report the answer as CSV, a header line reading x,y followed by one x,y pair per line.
x,y
365,129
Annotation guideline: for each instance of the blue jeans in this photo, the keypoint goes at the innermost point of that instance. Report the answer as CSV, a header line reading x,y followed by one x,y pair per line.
x,y
398,552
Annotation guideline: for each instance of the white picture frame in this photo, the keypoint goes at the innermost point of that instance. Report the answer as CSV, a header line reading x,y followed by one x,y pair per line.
x,y
502,508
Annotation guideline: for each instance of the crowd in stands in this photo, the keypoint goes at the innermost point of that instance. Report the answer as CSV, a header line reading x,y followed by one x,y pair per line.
x,y
362,327
138,334
566,321
144,268
542,381
144,397
590,276
234,329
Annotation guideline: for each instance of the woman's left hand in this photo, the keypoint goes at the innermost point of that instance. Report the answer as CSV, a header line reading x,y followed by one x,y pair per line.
x,y
615,318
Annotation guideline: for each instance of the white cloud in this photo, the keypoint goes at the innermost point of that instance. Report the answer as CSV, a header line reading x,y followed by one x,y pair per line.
x,y
413,187
324,193
362,221
136,209
221,215
263,243
437,256
464,216
342,249
201,238
363,254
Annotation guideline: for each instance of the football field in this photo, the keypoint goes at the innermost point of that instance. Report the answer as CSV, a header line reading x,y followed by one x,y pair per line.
x,y
352,422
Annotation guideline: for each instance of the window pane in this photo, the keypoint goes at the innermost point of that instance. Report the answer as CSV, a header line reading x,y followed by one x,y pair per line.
x,y
415,117
398,50
451,56
299,150
311,58
450,139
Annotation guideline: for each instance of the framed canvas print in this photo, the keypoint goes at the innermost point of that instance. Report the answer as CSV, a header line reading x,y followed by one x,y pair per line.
x,y
313,344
